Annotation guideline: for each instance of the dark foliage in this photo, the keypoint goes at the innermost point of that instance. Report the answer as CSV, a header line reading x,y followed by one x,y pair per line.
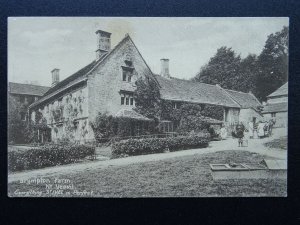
x,y
158,145
261,74
147,98
190,117
213,111
222,69
16,125
106,127
48,155
273,64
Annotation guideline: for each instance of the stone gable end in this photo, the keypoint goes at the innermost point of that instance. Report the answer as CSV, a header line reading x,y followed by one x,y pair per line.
x,y
105,82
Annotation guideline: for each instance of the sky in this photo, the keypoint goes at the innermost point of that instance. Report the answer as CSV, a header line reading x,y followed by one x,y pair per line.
x,y
36,45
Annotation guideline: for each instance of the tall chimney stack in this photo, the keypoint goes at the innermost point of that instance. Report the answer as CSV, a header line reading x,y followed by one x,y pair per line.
x,y
55,77
103,43
165,68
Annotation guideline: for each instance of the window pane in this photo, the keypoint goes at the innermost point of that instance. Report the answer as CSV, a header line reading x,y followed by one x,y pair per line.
x,y
124,76
127,101
131,101
122,100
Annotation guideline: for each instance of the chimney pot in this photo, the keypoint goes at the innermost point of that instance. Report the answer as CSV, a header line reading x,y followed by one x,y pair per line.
x,y
165,68
55,77
103,43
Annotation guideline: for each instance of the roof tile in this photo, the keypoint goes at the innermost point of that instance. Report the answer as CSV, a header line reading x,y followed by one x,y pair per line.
x,y
283,90
245,100
276,107
27,89
189,91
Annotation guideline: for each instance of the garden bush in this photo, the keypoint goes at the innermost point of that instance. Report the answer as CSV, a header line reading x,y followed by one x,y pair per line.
x,y
48,155
133,147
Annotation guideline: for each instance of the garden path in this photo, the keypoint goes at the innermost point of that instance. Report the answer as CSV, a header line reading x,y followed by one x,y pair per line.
x,y
255,145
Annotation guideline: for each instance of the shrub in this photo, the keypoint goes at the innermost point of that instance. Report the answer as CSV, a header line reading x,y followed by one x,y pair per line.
x,y
132,147
47,155
193,123
107,127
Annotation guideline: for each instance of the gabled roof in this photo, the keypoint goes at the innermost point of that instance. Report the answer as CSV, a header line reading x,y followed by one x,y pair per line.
x,y
188,91
27,89
81,75
245,100
283,90
275,107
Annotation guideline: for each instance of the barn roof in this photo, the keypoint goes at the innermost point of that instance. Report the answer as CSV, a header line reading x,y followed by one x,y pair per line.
x,y
283,90
27,89
245,100
188,91
275,107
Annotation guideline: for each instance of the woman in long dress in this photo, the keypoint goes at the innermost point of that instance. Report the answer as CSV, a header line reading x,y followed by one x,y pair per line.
x,y
251,131
223,132
260,129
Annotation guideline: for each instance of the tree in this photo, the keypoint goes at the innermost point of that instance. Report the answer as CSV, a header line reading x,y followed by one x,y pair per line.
x,y
221,69
247,74
16,125
273,64
147,98
261,74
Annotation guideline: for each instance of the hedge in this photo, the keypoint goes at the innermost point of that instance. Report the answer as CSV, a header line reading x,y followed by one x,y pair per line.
x,y
133,147
47,155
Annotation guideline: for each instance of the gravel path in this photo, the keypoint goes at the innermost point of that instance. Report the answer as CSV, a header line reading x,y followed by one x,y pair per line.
x,y
255,145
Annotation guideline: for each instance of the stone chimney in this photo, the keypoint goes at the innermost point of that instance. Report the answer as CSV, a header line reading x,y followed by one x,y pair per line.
x,y
55,77
103,43
165,68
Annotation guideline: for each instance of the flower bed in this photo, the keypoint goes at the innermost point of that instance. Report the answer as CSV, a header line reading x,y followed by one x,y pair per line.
x,y
48,155
132,147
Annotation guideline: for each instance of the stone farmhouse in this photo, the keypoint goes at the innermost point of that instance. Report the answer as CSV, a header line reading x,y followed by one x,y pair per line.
x,y
276,106
107,85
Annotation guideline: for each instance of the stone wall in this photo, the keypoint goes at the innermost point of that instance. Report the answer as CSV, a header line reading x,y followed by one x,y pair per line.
x,y
246,115
68,109
280,117
231,115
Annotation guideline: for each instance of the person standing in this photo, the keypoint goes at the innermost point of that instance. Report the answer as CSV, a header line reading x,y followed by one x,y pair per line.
x,y
223,132
240,133
251,131
260,129
271,124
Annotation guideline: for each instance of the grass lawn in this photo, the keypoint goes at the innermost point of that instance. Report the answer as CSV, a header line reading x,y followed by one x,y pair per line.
x,y
278,143
187,176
